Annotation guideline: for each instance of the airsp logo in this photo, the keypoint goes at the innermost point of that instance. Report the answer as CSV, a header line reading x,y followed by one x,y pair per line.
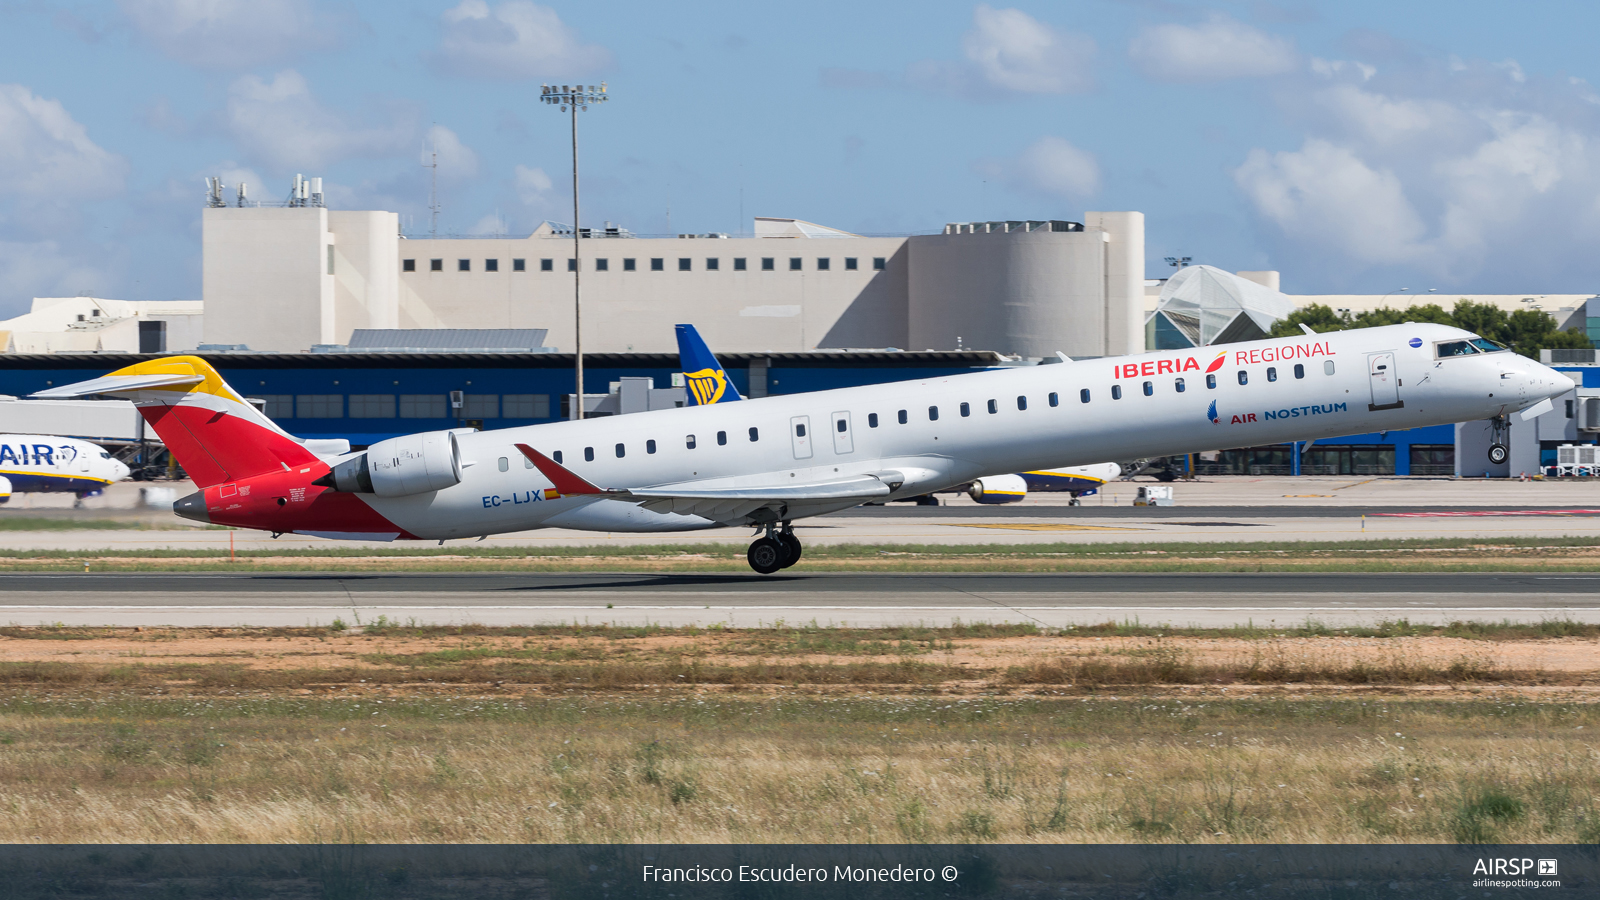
x,y
1501,866
708,385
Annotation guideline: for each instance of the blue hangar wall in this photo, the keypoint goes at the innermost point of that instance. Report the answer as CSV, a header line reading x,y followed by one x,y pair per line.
x,y
367,397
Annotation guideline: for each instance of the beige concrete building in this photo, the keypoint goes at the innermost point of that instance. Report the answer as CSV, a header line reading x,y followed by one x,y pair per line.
x,y
288,279
103,325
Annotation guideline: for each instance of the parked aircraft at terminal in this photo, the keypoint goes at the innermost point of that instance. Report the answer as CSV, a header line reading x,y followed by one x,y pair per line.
x,y
45,464
765,462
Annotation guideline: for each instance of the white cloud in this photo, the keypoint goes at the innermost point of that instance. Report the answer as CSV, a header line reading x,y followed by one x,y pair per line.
x,y
533,185
281,124
491,224
514,39
1218,49
1325,194
1050,166
1010,51
1015,51
230,34
46,154
1446,176
456,160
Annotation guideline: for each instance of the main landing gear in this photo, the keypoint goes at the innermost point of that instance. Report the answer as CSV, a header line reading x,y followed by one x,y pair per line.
x,y
778,549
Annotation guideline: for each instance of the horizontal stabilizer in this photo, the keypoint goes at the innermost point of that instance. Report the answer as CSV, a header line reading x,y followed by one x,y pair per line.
x,y
118,384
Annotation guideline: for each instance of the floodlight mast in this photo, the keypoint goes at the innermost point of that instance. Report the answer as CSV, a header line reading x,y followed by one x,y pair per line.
x,y
571,98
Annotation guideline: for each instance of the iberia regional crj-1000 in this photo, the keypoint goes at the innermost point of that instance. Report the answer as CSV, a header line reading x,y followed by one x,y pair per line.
x,y
765,462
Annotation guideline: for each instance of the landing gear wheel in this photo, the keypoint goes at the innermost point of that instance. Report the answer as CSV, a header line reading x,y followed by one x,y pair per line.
x,y
766,555
1498,453
791,546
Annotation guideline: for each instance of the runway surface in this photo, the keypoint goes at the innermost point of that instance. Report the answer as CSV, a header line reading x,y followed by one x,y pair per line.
x,y
1054,600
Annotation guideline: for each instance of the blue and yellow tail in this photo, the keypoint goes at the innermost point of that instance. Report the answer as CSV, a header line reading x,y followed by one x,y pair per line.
x,y
704,376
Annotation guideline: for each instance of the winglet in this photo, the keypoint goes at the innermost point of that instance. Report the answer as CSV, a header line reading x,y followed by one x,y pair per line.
x,y
566,482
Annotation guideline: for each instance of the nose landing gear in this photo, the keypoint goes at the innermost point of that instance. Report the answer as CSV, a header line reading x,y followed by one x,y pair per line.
x,y
778,549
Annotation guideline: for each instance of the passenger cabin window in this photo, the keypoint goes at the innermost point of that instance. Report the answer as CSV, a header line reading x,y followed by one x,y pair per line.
x,y
994,407
1299,370
754,435
722,438
1244,377
1272,373
1149,389
527,463
505,464
621,451
902,417
1055,399
688,441
556,456
841,425
650,446
588,454
1116,392
1022,403
800,430
1327,367
1083,396
1177,385
1211,381
872,420
966,410
933,414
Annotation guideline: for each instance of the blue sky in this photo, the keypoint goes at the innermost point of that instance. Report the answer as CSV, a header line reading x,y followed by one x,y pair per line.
x,y
1355,146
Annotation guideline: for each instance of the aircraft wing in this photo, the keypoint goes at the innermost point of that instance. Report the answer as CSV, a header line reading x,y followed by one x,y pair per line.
x,y
729,505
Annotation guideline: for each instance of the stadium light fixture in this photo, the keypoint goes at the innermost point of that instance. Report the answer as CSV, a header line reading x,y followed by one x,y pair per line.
x,y
571,98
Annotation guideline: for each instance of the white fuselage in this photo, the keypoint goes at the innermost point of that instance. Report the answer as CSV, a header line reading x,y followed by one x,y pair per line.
x,y
44,463
1015,420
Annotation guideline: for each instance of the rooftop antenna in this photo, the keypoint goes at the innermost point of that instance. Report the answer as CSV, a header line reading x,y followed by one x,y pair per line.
x,y
214,193
243,197
433,191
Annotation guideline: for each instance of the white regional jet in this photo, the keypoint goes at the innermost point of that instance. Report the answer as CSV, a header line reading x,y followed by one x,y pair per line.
x,y
765,462
45,463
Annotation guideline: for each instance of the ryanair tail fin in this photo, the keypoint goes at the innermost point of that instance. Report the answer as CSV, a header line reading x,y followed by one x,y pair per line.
x,y
707,381
216,435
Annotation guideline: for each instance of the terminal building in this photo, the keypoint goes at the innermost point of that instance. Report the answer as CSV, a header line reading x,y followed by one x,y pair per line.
x,y
290,279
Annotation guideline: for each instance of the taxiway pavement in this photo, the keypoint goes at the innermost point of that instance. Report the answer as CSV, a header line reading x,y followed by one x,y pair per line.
x,y
738,600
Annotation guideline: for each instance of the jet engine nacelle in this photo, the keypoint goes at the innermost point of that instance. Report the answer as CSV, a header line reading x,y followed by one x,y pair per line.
x,y
998,489
5,489
413,464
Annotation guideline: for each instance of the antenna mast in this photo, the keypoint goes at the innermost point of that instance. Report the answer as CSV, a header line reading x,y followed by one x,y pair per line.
x,y
433,192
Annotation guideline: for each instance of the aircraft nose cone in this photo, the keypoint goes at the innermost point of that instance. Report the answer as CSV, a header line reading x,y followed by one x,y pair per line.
x,y
192,507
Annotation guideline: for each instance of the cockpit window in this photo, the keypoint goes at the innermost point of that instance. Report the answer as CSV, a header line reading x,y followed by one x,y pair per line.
x,y
105,456
1488,346
1456,348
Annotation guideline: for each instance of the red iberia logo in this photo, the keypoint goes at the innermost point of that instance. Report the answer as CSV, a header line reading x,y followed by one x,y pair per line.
x,y
1217,363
